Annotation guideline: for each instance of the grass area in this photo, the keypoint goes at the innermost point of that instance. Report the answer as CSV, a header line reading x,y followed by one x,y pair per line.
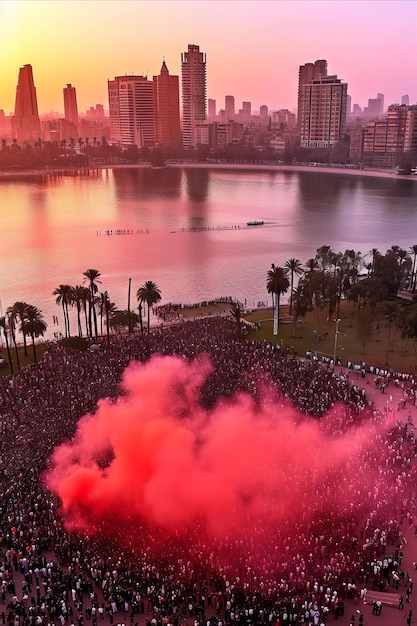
x,y
383,346
23,359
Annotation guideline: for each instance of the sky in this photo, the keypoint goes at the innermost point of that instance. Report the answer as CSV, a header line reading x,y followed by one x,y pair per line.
x,y
254,49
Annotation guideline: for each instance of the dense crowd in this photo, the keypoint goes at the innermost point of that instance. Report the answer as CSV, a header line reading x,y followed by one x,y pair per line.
x,y
300,572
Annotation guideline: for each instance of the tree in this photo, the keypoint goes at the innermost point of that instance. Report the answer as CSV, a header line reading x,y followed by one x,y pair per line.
x,y
236,313
11,321
151,294
5,327
293,266
277,283
18,311
64,296
80,297
34,325
92,277
413,250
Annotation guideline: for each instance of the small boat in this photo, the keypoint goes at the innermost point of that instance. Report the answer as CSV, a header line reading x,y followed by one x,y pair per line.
x,y
255,223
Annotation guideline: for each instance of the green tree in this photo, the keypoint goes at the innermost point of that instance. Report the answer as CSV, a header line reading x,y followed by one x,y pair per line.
x,y
236,313
92,276
5,328
18,311
294,267
34,326
277,283
150,294
64,296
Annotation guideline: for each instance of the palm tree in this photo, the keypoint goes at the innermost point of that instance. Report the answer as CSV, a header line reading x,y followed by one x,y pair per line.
x,y
64,296
34,326
92,276
236,313
11,321
150,293
5,327
277,283
80,297
293,266
413,250
18,310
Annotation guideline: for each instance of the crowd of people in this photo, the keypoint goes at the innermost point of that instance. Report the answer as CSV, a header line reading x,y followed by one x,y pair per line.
x,y
302,571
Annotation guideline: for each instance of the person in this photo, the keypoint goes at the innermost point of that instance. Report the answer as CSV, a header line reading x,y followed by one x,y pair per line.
x,y
409,618
401,603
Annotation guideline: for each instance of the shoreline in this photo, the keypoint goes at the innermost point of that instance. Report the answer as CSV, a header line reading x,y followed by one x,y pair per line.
x,y
282,167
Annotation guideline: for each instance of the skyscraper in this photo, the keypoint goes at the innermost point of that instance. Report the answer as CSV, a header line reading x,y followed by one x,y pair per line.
x,y
167,108
211,110
25,123
229,107
70,104
405,99
322,112
132,119
194,99
308,73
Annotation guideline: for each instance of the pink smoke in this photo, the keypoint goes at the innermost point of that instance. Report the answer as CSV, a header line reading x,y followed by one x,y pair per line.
x,y
156,456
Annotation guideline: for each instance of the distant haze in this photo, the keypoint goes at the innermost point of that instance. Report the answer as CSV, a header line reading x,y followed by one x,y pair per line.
x,y
253,49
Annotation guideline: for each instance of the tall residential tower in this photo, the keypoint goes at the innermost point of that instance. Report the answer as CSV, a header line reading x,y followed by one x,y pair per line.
x,y
70,105
194,96
132,115
26,125
167,108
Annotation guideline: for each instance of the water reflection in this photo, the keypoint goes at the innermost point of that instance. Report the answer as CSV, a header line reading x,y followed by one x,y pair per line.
x,y
197,184
147,183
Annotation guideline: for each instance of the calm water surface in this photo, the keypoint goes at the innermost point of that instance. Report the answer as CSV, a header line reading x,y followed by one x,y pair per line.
x,y
54,228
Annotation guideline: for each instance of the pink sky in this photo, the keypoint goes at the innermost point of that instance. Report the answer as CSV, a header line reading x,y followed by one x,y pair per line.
x,y
253,48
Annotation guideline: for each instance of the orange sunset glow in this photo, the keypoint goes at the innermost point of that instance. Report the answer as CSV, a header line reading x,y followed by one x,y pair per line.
x,y
253,49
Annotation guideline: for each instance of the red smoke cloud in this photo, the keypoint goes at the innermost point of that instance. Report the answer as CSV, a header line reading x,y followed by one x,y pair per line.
x,y
157,457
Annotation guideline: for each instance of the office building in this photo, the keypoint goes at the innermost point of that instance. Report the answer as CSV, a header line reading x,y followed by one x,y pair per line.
x,y
410,134
322,112
166,96
245,113
131,105
194,88
405,100
26,126
70,104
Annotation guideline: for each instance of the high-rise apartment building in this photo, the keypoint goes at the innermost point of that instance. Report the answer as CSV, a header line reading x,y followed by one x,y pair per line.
x,y
167,108
131,105
410,136
308,73
211,113
384,140
322,112
26,125
229,108
194,88
70,104
245,113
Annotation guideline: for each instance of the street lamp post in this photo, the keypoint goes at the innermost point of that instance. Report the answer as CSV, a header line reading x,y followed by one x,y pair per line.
x,y
336,334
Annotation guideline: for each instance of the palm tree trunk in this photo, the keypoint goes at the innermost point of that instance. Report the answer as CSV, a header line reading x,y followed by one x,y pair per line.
x,y
149,318
140,317
9,354
34,348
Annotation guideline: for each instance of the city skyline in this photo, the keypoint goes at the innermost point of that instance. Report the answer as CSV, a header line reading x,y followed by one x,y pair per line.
x,y
253,50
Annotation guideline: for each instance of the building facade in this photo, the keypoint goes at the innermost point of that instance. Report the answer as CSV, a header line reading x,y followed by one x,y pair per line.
x,y
194,93
166,97
322,112
132,115
307,73
70,104
26,126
